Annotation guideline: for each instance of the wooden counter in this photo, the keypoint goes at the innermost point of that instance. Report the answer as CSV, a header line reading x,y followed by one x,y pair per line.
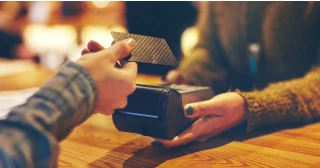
x,y
97,144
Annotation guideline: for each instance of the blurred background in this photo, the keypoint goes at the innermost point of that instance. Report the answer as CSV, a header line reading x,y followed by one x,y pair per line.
x,y
50,33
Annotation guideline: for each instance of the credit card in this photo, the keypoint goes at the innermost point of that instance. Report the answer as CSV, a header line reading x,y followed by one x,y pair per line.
x,y
148,49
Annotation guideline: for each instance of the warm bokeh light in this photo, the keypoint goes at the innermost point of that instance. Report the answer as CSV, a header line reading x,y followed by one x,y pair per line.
x,y
100,34
52,43
100,4
42,38
97,33
39,12
189,39
254,48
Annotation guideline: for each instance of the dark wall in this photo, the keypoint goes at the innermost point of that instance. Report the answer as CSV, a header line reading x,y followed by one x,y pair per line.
x,y
161,19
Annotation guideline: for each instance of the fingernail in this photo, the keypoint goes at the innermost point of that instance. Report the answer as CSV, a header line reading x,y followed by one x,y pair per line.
x,y
157,144
131,42
189,110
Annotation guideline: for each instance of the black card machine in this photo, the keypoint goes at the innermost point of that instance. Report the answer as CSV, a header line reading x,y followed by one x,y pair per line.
x,y
157,111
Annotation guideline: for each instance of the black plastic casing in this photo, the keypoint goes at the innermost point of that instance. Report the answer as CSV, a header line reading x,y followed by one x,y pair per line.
x,y
155,111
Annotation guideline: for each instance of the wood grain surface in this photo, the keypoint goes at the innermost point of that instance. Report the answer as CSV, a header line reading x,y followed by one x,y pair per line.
x,y
97,144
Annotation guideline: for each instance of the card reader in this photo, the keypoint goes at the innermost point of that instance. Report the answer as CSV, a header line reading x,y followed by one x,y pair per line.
x,y
157,111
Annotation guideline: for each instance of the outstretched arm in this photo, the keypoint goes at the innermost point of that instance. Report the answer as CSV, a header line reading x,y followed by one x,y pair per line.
x,y
30,134
294,101
204,64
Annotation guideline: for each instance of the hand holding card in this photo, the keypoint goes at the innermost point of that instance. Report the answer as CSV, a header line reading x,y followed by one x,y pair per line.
x,y
148,49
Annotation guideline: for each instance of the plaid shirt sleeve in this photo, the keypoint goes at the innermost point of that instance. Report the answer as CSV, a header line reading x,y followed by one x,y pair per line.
x,y
30,135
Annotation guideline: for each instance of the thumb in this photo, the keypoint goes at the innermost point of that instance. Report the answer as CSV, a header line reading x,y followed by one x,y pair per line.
x,y
122,49
203,108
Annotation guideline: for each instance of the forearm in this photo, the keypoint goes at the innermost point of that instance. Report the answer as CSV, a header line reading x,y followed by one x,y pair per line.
x,y
282,103
31,132
204,64
199,69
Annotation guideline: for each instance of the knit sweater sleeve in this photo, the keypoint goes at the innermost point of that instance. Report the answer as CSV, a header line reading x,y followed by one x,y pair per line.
x,y
283,103
30,134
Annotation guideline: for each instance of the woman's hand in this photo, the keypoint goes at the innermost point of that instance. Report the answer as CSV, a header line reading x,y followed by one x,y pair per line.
x,y
218,114
174,76
114,84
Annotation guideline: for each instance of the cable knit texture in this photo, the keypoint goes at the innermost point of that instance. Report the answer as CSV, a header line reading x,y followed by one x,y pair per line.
x,y
289,39
285,102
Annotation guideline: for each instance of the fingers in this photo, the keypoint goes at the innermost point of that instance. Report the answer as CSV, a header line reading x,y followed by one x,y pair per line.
x,y
174,76
85,51
94,46
204,108
218,114
122,103
116,52
214,132
186,137
202,126
201,130
122,49
129,71
205,138
130,67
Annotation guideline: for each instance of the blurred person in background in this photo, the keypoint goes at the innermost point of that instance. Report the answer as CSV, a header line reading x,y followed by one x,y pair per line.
x,y
264,56
12,16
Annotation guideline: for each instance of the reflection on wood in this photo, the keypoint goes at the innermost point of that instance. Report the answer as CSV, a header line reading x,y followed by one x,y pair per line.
x,y
25,80
97,144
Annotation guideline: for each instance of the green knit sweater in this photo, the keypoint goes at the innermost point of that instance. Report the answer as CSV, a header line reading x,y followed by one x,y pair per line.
x,y
283,89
